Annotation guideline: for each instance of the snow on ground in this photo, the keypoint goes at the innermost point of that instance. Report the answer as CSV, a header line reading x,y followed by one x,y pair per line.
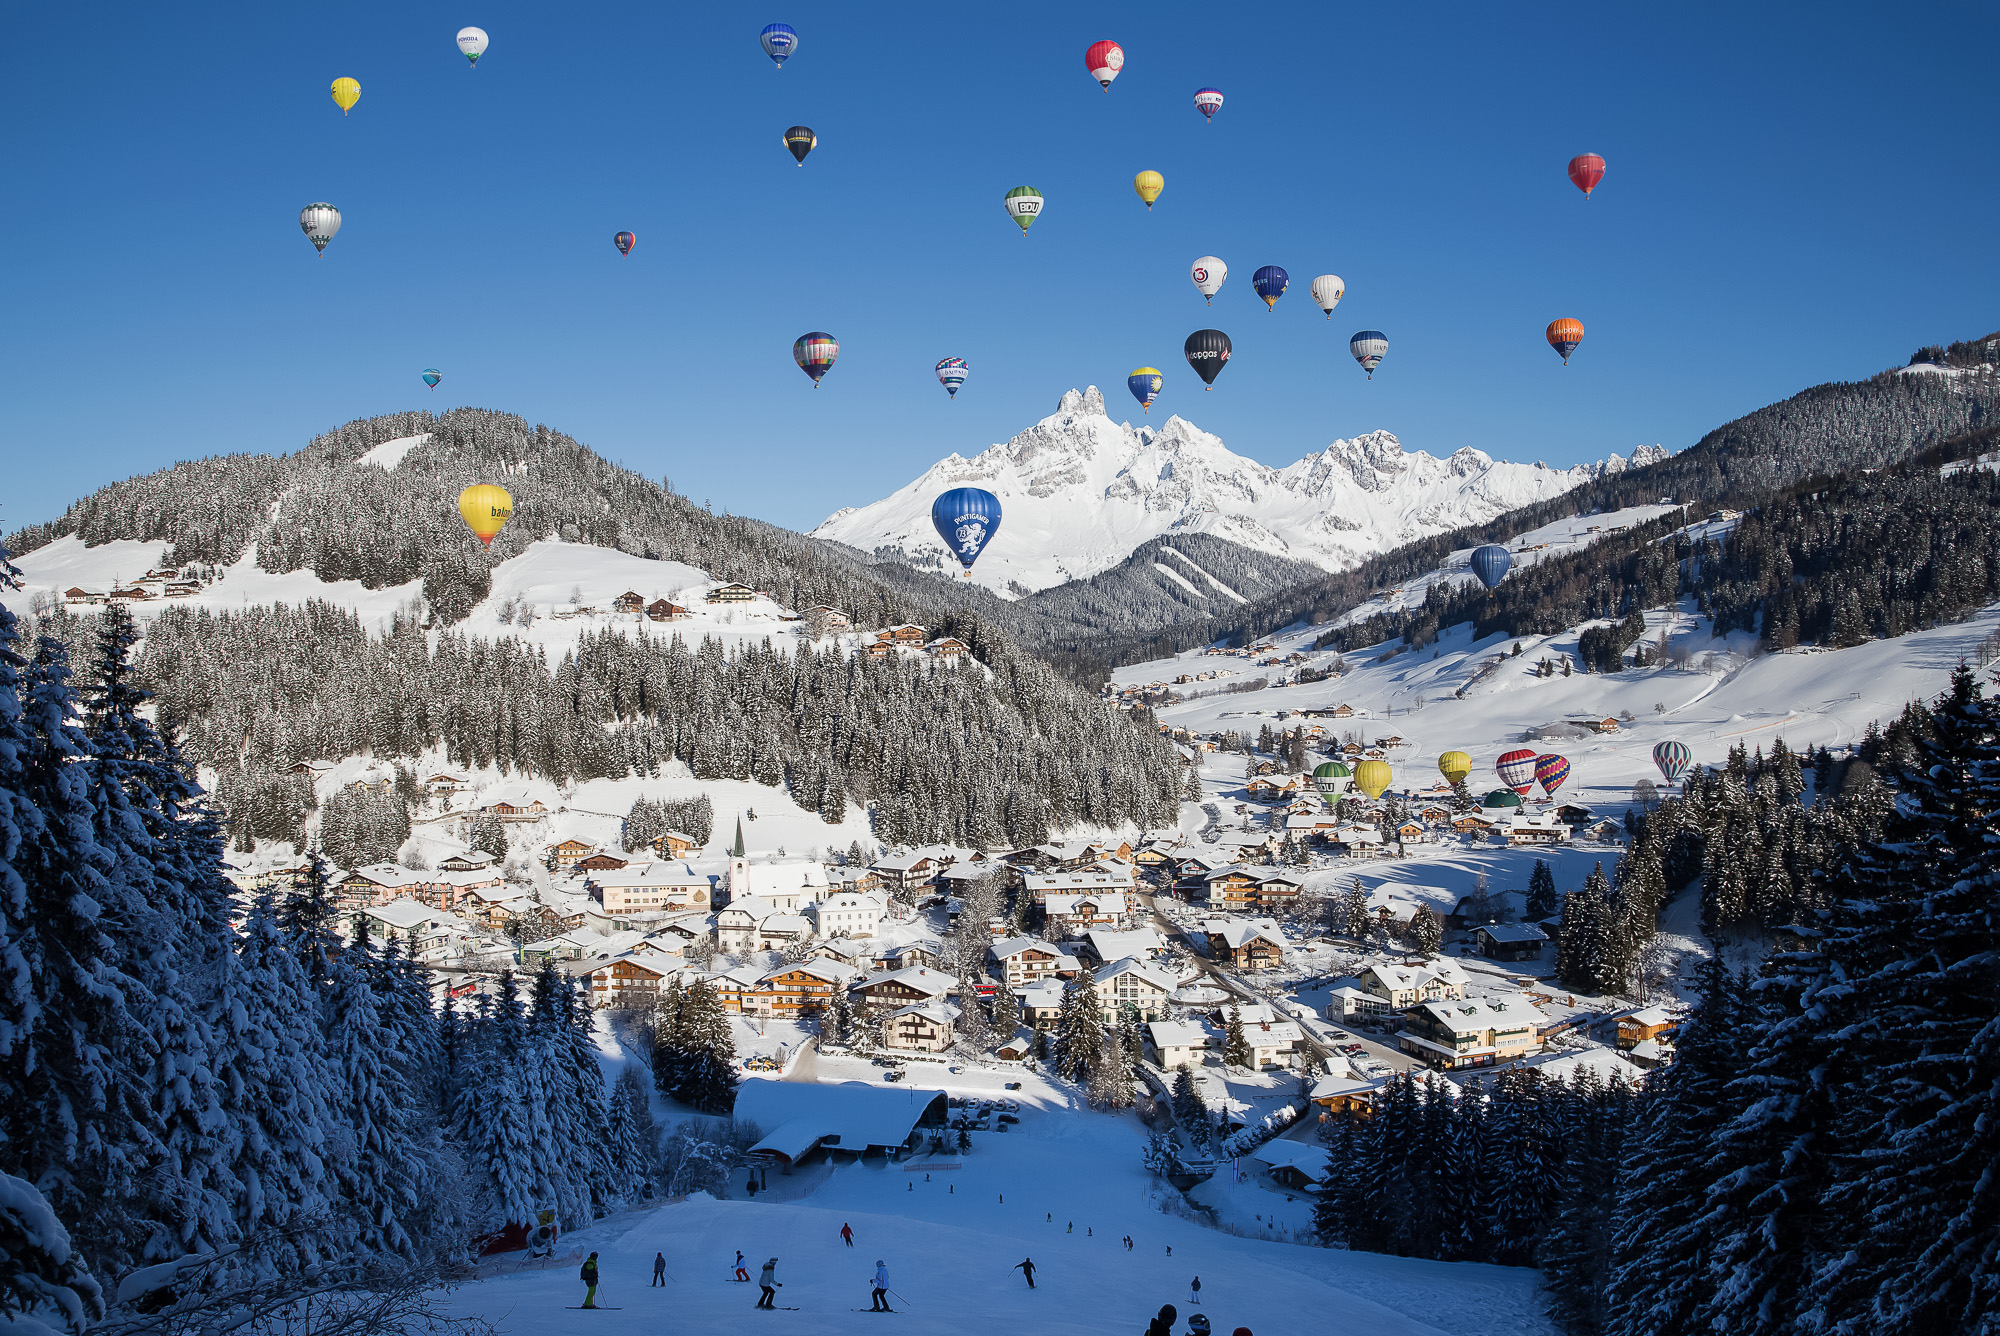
x,y
390,453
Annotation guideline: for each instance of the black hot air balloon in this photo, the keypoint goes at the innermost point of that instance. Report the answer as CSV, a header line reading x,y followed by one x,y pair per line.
x,y
1207,352
801,140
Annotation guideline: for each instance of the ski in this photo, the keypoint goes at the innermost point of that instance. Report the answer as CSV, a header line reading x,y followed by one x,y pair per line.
x,y
593,1308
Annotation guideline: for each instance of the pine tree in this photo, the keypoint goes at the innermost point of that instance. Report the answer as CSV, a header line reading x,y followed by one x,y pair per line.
x,y
1190,1113
1542,901
973,1029
632,1138
1236,1050
1426,933
1079,1036
43,1277
710,1080
377,1175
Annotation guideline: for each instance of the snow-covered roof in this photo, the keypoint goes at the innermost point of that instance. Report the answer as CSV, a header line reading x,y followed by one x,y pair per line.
x,y
1240,932
944,1013
853,1115
1135,942
1118,968
1180,1034
1604,1063
935,982
1105,902
663,873
1651,1016
1014,946
405,914
1511,932
1312,1162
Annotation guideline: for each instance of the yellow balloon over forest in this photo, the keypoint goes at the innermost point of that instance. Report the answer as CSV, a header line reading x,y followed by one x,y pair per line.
x,y
1149,185
1455,766
486,510
1372,777
346,92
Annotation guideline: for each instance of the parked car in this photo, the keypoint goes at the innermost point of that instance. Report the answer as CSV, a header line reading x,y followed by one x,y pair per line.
x,y
893,1074
1006,1118
1013,1085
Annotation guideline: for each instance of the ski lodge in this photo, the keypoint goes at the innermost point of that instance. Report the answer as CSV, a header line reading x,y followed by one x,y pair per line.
x,y
851,1118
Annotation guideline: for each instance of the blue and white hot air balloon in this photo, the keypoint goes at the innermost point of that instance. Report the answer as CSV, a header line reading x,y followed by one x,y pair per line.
x,y
1369,347
966,518
779,42
1490,562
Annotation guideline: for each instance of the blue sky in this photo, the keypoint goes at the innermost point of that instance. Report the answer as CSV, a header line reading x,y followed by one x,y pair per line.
x,y
1794,194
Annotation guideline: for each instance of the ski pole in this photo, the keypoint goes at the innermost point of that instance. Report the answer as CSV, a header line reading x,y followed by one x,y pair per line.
x,y
906,1302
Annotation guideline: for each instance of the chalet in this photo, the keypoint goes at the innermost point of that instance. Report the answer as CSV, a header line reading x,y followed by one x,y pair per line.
x,y
516,812
1041,886
600,861
629,601
1472,1033
1263,889
1075,915
1246,847
737,927
1272,1041
1356,840
859,879
1180,1043
801,988
1245,944
1025,960
731,593
1016,1049
907,634
842,951
1297,1165
1139,943
1344,1094
1539,829
948,649
406,920
1340,712
1435,815
1574,814
1345,1000
628,980
1128,986
880,649
1471,823
468,860
1410,832
444,785
730,986
666,610
182,588
921,1027
1407,986
130,595
906,872
673,844
851,913
78,594
565,855
887,992
1654,1024
1607,724
902,955
1510,941
833,619
651,888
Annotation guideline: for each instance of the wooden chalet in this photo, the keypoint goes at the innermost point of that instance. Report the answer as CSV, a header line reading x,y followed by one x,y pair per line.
x,y
666,610
732,593
673,844
629,601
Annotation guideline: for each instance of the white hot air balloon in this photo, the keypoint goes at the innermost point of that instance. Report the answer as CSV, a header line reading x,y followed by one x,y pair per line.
x,y
472,41
1327,290
1208,273
320,222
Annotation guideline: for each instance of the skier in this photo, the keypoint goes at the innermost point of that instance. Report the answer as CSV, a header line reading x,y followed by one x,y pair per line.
x,y
741,1274
1071,1229
659,1269
880,1301
589,1277
847,1235
767,1279
1194,1291
1026,1268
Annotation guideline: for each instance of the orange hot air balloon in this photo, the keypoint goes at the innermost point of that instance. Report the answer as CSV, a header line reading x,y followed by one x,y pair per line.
x,y
485,510
1585,171
1564,335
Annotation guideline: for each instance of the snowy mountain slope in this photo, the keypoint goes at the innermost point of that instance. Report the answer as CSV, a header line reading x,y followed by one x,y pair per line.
x,y
1080,492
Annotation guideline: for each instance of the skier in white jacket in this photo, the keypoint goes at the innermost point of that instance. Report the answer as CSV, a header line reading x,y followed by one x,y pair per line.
x,y
881,1299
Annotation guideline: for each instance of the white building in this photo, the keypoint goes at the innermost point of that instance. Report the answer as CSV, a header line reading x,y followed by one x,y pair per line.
x,y
851,913
789,884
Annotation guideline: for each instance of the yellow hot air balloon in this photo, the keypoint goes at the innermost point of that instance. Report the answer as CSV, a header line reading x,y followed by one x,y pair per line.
x,y
1454,766
346,92
1372,777
1149,185
485,510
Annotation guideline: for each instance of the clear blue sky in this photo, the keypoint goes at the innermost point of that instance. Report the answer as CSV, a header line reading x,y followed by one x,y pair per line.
x,y
1795,194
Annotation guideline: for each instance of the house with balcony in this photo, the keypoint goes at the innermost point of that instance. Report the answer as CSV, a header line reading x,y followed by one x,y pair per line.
x,y
1472,1032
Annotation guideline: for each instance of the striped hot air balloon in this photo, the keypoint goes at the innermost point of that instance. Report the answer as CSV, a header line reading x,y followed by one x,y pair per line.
x,y
1024,205
814,352
951,374
1516,769
1208,101
1550,772
1369,347
1585,171
1145,383
1331,777
1673,759
1104,60
1564,335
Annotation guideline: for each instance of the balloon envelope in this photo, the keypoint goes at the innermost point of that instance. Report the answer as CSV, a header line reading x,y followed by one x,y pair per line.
x,y
1270,282
1372,777
1673,759
951,374
779,42
966,518
1208,101
1145,383
1331,777
320,223
1454,766
485,510
1501,798
1209,274
1369,347
814,352
431,377
1516,770
346,92
1585,171
1550,772
1490,562
1327,290
801,140
624,241
1563,336
1207,351
1104,60
472,41
1148,186
1024,205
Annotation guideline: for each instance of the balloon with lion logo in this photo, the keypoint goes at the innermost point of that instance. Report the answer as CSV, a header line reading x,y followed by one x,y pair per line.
x,y
1373,777
966,518
485,510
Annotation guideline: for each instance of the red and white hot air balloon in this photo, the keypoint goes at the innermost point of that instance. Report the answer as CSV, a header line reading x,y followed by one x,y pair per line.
x,y
1104,60
1516,770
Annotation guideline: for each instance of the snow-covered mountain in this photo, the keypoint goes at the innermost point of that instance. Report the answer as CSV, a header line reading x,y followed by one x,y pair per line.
x,y
1080,492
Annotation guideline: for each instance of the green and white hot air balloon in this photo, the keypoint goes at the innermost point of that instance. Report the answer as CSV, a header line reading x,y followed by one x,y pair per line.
x,y
1024,205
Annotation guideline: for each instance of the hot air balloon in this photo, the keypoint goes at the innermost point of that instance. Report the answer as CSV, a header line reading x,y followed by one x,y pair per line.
x,y
1104,60
1327,290
1372,777
814,352
1331,777
320,223
951,374
1208,101
1145,385
1369,347
1564,335
966,518
1490,562
1501,798
1550,772
346,92
624,241
472,41
779,42
1673,759
801,140
1209,274
1454,766
1270,282
1024,205
1516,769
1149,185
1207,351
432,377
1585,171
485,510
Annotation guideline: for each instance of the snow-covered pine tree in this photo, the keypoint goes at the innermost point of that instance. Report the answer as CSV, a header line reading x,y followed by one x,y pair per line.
x,y
44,1286
1542,900
632,1138
1426,933
494,1115
1236,1050
376,1173
1079,1036
578,1160
711,1073
974,1029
